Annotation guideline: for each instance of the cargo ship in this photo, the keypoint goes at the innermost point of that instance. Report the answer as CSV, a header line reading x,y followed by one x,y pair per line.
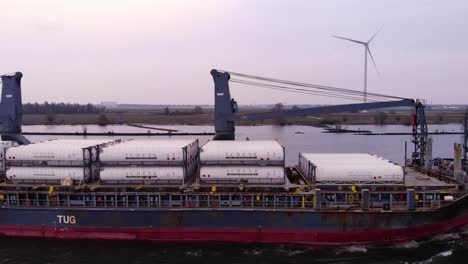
x,y
216,191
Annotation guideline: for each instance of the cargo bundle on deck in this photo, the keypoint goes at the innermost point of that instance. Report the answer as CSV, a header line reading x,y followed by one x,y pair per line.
x,y
63,161
349,168
150,162
242,162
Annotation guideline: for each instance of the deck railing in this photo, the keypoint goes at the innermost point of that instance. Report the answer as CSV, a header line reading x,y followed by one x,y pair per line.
x,y
336,201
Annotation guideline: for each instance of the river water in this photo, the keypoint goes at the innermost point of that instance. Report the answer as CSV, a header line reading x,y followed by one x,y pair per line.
x,y
295,138
445,248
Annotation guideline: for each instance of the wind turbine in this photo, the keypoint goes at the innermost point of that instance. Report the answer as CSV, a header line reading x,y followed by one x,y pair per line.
x,y
366,51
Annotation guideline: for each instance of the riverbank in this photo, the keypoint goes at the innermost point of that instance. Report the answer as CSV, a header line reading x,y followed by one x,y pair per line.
x,y
158,118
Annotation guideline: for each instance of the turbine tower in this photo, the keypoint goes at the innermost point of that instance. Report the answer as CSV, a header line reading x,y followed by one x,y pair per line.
x,y
366,51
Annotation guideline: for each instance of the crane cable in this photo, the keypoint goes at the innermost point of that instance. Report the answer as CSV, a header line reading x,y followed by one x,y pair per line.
x,y
321,90
301,91
315,86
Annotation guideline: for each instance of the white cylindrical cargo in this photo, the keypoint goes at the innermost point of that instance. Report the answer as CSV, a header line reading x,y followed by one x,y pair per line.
x,y
344,162
341,158
83,142
244,174
358,174
47,174
349,168
151,152
47,152
347,155
269,152
143,175
55,152
89,144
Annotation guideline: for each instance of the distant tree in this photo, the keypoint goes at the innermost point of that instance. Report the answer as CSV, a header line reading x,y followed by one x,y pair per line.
x,y
198,110
279,107
61,108
103,120
50,118
167,111
344,119
381,118
395,116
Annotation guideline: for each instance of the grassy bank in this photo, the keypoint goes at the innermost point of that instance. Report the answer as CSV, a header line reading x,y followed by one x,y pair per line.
x,y
160,118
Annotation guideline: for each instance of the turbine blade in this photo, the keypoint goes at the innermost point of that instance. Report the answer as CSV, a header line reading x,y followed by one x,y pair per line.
x,y
374,35
373,61
348,39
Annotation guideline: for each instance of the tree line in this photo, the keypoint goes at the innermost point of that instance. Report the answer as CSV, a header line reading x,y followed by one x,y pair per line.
x,y
61,108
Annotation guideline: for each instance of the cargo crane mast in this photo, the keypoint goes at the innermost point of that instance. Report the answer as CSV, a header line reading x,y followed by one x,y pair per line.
x,y
420,134
226,109
11,108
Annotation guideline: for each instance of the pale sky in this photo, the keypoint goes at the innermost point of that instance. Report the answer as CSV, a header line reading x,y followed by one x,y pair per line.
x,y
162,51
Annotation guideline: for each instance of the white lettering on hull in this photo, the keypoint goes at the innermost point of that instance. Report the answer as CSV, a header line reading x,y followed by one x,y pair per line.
x,y
66,219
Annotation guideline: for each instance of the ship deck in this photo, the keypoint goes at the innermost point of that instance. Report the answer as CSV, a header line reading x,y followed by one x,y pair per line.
x,y
412,179
417,179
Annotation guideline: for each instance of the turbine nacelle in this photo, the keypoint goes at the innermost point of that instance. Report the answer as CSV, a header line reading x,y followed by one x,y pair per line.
x,y
366,51
366,47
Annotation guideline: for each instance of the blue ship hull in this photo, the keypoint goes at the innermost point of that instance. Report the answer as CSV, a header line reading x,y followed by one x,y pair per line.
x,y
305,227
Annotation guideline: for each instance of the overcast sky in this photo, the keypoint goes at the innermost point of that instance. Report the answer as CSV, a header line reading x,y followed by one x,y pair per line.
x,y
161,51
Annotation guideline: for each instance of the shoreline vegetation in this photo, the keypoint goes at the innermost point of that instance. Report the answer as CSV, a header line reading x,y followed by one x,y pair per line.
x,y
88,114
207,118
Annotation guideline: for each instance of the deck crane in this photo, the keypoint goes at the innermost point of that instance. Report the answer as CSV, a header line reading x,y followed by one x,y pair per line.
x,y
226,109
11,108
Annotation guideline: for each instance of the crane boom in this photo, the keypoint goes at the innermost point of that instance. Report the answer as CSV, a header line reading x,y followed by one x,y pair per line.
x,y
322,110
226,108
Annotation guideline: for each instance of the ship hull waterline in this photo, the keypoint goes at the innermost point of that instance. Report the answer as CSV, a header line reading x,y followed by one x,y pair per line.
x,y
272,226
